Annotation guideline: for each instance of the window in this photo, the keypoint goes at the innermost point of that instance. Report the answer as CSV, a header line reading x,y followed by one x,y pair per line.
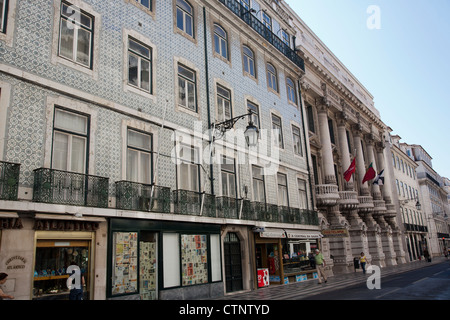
x,y
145,3
331,129
303,200
139,157
259,191
272,77
76,35
245,4
283,199
276,126
3,15
139,65
228,172
251,107
297,141
70,132
188,169
223,104
310,114
187,88
285,37
249,61
267,21
292,97
185,21
220,41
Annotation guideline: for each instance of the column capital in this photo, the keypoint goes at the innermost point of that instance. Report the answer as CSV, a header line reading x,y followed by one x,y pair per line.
x,y
322,105
369,138
342,118
380,146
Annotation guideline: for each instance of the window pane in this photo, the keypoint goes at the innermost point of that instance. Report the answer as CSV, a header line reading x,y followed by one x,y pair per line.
x,y
180,19
224,184
139,140
186,73
184,5
145,168
70,121
133,70
189,25
132,165
191,96
139,48
84,47
182,92
194,177
78,154
60,151
145,75
66,40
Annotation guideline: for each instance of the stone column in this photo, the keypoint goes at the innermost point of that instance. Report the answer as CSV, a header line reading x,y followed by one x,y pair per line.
x,y
327,151
360,168
343,145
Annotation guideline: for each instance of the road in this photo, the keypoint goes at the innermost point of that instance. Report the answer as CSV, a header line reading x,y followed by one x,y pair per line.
x,y
429,283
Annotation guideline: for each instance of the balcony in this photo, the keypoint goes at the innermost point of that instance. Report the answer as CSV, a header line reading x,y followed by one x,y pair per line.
x,y
365,204
190,203
262,30
348,200
228,208
138,196
9,180
327,195
70,188
390,211
379,207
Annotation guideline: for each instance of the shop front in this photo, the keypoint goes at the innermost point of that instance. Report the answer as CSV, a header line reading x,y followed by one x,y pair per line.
x,y
285,256
37,255
159,260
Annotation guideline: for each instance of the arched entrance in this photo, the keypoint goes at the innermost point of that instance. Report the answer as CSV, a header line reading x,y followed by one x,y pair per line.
x,y
233,262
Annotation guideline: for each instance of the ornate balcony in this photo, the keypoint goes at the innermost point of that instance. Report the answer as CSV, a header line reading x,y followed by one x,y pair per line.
x,y
228,207
138,196
390,211
194,203
70,188
9,180
348,200
379,207
327,195
365,204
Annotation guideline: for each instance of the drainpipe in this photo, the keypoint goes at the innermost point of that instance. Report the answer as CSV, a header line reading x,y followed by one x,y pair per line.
x,y
211,169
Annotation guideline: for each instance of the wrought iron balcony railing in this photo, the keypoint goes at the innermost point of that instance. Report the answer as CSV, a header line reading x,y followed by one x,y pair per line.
x,y
63,187
194,203
246,16
9,180
138,196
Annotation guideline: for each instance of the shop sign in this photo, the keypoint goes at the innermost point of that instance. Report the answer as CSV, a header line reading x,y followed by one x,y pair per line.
x,y
62,225
297,235
272,234
11,223
18,259
335,233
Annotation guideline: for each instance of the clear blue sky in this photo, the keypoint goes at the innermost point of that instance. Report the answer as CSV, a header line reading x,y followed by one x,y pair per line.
x,y
405,65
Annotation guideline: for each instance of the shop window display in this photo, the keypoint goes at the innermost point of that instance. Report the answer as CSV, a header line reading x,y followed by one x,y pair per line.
x,y
51,263
125,273
298,256
194,259
148,274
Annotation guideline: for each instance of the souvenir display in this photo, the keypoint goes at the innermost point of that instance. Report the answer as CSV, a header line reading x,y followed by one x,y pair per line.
x,y
147,273
125,273
194,259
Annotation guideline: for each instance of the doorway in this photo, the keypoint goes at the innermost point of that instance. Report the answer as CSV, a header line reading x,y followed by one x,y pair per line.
x,y
233,262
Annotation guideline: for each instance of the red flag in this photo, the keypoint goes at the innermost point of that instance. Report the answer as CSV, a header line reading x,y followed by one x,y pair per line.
x,y
351,170
370,174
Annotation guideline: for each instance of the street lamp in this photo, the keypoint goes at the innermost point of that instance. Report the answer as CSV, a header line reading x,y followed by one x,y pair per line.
x,y
251,132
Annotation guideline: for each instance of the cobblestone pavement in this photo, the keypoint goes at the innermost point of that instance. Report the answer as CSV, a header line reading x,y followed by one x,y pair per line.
x,y
299,290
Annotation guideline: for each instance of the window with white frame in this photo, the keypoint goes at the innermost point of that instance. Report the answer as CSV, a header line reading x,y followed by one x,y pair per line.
x,y
70,136
220,41
139,65
259,192
76,35
3,15
224,111
187,88
249,61
267,20
228,175
283,199
272,80
145,3
185,17
285,37
188,168
303,200
292,96
139,156
296,136
277,131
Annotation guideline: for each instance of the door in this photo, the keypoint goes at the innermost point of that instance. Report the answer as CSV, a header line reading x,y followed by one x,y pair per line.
x,y
233,265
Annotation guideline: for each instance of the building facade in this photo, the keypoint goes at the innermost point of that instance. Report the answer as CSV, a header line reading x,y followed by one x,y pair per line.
x,y
118,152
343,125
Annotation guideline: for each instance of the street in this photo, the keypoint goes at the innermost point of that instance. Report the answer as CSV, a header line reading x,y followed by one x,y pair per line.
x,y
429,283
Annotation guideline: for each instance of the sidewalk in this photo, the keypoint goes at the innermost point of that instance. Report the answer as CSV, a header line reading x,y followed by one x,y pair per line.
x,y
299,290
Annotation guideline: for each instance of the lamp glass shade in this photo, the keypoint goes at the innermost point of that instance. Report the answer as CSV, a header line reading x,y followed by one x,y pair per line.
x,y
418,206
251,135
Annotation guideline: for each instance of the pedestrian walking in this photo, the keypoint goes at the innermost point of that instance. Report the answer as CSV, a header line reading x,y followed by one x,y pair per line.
x,y
3,295
320,264
426,255
362,262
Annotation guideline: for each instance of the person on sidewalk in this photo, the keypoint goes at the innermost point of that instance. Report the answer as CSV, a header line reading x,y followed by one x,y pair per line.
x,y
320,264
362,262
